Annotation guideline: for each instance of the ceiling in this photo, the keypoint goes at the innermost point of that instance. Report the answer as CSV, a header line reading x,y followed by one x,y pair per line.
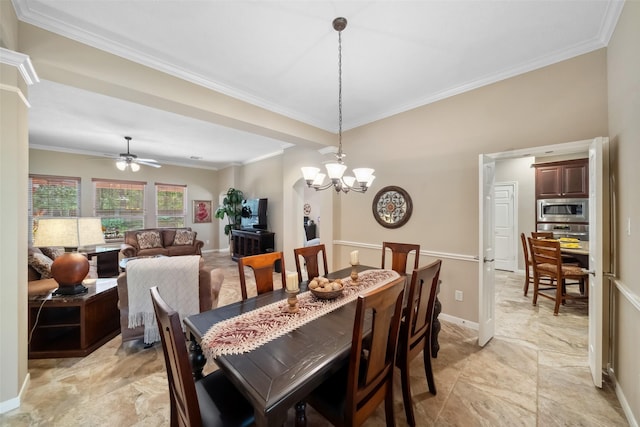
x,y
283,56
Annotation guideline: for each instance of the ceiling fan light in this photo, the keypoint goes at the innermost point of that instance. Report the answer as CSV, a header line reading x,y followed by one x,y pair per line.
x,y
335,170
135,167
121,164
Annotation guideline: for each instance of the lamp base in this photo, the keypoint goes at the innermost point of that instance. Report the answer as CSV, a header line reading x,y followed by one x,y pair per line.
x,y
71,290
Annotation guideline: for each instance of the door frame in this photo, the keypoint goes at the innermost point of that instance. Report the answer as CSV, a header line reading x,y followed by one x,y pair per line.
x,y
487,291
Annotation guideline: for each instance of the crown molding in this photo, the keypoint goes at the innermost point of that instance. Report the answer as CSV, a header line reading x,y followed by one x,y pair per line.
x,y
22,62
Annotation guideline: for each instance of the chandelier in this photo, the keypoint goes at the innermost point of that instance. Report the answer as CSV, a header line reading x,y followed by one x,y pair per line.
x,y
335,170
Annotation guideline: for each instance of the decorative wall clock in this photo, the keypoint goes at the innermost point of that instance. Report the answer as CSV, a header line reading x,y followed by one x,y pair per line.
x,y
392,207
307,209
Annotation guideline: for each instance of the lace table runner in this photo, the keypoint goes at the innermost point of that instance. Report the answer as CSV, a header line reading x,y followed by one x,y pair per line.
x,y
248,331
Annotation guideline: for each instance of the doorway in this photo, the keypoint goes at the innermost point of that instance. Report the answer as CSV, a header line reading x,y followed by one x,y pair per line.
x,y
598,193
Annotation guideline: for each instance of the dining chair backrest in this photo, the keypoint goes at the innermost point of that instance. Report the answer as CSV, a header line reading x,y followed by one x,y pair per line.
x,y
263,266
185,410
372,360
211,401
399,255
420,303
542,234
415,330
310,255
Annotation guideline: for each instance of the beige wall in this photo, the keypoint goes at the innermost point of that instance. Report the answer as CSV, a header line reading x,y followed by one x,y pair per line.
x,y
432,152
201,184
623,68
13,208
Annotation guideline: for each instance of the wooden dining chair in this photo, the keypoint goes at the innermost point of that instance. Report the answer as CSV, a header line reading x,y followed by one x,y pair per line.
x,y
567,259
399,255
210,401
353,393
263,267
528,265
547,263
310,255
415,330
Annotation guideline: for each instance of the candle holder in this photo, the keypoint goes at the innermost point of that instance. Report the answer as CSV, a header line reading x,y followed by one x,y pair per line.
x,y
354,272
292,301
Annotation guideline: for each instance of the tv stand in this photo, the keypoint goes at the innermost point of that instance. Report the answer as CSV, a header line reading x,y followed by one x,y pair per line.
x,y
251,242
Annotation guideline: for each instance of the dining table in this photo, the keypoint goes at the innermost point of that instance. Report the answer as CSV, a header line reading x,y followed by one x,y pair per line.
x,y
578,250
280,373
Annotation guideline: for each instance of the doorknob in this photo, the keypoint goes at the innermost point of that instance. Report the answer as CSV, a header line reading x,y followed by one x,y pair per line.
x,y
591,272
488,260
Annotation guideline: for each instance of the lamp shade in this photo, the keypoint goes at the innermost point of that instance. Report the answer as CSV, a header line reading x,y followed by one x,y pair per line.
x,y
68,232
69,269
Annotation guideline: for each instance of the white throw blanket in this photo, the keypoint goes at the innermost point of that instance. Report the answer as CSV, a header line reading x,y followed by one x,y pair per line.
x,y
177,281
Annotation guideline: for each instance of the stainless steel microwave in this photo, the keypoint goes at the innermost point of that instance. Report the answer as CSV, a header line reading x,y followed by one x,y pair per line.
x,y
563,210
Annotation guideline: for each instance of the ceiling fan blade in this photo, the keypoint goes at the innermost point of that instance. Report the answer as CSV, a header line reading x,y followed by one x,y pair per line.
x,y
147,163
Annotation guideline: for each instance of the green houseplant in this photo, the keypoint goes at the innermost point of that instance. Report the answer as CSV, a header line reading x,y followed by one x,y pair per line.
x,y
232,208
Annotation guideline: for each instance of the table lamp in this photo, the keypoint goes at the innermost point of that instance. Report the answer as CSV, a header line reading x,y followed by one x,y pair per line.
x,y
72,267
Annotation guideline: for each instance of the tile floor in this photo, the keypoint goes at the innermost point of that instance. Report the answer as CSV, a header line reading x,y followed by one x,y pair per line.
x,y
534,372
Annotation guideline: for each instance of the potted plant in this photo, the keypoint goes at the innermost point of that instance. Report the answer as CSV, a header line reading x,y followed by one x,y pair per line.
x,y
232,207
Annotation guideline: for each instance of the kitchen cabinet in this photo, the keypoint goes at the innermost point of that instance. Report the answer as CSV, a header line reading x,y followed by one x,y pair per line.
x,y
562,179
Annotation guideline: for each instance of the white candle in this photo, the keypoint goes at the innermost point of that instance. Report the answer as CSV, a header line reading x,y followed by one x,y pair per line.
x,y
354,258
292,281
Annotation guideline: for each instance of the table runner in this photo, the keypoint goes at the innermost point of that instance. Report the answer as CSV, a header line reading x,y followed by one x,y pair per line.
x,y
248,331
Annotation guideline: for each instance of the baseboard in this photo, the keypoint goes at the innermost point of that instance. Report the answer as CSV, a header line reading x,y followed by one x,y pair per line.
x,y
623,400
14,403
210,251
458,321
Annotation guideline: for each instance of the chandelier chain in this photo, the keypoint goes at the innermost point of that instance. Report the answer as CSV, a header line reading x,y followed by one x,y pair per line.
x,y
340,155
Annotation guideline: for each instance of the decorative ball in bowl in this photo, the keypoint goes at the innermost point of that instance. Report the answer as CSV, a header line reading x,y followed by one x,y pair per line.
x,y
323,288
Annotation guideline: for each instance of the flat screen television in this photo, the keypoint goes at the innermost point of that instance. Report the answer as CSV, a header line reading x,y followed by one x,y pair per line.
x,y
258,218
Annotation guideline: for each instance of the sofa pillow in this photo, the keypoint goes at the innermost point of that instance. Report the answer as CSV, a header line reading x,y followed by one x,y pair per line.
x,y
41,263
149,239
183,238
52,252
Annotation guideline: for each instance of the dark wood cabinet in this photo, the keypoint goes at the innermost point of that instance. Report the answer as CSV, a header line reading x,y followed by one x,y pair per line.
x,y
76,325
562,179
247,243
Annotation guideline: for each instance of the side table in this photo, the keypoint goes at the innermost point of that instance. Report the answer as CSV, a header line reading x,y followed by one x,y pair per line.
x,y
107,260
73,325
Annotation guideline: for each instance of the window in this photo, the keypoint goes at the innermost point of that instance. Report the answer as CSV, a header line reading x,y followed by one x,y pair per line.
x,y
171,206
120,204
52,196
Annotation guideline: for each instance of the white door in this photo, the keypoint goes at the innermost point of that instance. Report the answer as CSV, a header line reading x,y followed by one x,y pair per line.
x,y
505,246
486,291
598,216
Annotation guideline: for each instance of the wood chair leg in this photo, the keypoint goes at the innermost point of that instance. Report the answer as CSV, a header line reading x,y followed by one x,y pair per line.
x,y
526,284
536,284
406,394
429,371
388,408
559,297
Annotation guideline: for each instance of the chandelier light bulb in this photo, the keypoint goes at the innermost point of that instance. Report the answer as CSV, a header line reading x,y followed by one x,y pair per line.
x,y
135,167
121,164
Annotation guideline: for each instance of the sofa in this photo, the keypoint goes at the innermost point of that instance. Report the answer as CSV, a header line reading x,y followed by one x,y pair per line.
x,y
160,241
209,284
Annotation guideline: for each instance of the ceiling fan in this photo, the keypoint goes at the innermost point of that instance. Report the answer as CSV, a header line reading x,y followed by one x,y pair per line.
x,y
128,160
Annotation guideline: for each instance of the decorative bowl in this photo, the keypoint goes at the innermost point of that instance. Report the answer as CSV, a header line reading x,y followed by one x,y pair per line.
x,y
321,294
